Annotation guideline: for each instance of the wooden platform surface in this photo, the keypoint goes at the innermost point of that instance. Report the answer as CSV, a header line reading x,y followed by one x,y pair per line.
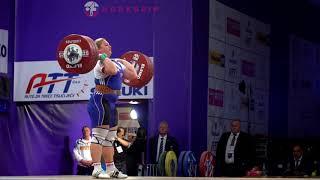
x,y
135,178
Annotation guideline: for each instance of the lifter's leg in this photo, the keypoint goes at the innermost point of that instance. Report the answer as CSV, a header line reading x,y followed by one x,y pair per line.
x,y
108,152
98,137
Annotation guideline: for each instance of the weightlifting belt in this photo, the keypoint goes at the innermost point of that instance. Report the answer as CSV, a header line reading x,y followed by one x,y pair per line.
x,y
107,90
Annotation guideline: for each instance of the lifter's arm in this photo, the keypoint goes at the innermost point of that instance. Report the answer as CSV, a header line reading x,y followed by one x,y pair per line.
x,y
129,72
109,68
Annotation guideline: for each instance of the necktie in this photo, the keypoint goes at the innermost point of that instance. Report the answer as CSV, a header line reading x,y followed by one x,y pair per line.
x,y
161,147
233,140
297,163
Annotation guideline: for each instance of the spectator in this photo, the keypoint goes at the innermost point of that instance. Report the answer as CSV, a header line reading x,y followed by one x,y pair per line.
x,y
120,149
136,152
131,137
298,164
82,152
235,152
162,142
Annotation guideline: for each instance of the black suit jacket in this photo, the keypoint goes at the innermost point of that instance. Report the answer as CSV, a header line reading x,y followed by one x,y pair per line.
x,y
244,153
135,155
171,144
304,167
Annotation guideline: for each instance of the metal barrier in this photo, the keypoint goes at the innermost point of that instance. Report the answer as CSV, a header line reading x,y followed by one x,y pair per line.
x,y
148,170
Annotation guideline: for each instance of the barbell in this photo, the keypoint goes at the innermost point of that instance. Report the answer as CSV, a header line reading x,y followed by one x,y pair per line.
x,y
79,54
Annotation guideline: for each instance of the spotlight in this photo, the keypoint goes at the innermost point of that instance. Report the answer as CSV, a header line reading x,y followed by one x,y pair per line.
x,y
133,102
133,114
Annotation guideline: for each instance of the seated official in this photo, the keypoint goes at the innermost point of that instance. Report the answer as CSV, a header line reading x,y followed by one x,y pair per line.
x,y
298,164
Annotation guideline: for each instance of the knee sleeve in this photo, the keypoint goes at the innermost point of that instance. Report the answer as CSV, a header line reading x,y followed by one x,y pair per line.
x,y
108,142
99,135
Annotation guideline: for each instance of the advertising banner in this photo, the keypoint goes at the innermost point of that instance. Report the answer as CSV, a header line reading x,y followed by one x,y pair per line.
x,y
3,51
46,81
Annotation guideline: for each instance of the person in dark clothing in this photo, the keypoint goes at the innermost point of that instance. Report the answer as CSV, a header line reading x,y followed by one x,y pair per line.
x,y
162,142
136,152
298,164
120,150
235,152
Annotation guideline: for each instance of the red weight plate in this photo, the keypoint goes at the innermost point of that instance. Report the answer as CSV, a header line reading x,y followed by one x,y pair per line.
x,y
76,54
207,164
142,65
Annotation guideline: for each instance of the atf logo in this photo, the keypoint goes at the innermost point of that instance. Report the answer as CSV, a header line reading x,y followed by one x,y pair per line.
x,y
51,80
91,8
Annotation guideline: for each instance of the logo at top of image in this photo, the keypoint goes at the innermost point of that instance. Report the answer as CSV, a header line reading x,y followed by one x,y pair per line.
x,y
91,8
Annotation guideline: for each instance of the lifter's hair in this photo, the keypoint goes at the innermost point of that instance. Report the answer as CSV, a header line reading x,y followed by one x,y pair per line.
x,y
99,41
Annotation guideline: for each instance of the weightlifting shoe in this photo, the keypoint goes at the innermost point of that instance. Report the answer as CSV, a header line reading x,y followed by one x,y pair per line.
x,y
100,174
117,174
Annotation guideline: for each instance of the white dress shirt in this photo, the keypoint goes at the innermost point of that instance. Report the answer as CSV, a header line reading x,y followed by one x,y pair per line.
x,y
163,147
229,154
297,161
